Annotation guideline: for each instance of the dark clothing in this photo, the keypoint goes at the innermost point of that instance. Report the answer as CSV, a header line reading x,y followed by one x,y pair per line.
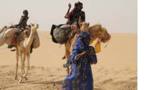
x,y
75,15
23,22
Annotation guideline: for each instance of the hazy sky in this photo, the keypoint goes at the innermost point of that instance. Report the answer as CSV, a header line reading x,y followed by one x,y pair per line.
x,y
115,15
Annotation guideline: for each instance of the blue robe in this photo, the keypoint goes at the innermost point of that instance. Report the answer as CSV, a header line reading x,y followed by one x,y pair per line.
x,y
80,77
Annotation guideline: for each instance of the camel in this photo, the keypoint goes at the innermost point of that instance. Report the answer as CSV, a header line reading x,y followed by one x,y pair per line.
x,y
23,50
96,32
22,47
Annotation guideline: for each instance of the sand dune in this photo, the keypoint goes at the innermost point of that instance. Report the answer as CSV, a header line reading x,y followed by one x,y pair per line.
x,y
115,70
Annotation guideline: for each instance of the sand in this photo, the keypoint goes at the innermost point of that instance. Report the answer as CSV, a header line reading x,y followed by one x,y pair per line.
x,y
116,68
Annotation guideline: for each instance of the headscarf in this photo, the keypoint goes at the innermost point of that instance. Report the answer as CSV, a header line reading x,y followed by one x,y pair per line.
x,y
85,37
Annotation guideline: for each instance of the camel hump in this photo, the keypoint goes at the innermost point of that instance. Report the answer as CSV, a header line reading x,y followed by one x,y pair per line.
x,y
35,26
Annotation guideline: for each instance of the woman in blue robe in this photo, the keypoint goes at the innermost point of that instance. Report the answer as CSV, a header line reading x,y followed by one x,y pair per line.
x,y
80,77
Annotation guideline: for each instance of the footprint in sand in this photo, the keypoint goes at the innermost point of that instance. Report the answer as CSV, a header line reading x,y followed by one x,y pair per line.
x,y
107,81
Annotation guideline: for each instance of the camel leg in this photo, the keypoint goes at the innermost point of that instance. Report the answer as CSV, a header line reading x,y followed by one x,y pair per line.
x,y
22,66
17,59
28,66
65,52
67,56
68,70
28,61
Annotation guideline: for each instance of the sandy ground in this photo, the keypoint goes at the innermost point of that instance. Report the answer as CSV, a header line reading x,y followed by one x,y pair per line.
x,y
115,70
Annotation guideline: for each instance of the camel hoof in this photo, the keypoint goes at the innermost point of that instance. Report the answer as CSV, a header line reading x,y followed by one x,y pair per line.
x,y
16,78
63,57
20,81
28,67
25,78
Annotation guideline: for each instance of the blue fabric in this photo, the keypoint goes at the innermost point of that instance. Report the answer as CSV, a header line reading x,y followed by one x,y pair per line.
x,y
80,77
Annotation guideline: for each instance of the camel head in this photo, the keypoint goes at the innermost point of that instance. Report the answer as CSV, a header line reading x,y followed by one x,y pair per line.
x,y
84,26
97,31
34,27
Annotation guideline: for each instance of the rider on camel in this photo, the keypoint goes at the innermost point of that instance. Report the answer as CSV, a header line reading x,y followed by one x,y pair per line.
x,y
21,25
76,15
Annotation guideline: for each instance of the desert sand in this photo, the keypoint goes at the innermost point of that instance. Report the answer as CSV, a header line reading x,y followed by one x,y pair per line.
x,y
116,68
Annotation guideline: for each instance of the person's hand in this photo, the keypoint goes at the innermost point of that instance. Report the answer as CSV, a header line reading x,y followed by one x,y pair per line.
x,y
69,5
74,27
78,57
